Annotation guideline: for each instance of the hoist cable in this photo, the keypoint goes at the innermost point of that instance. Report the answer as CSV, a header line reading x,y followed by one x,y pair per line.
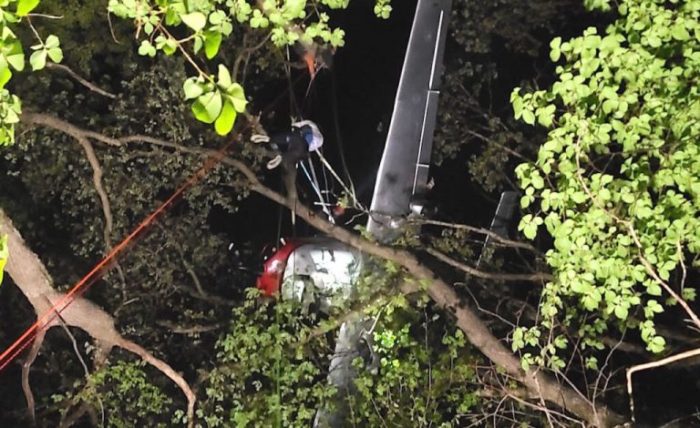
x,y
350,192
317,183
318,192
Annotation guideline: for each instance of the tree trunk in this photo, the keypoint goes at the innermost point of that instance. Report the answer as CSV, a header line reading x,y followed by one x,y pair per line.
x,y
31,277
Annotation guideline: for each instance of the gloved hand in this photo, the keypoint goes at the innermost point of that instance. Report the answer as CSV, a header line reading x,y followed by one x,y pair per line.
x,y
274,162
259,138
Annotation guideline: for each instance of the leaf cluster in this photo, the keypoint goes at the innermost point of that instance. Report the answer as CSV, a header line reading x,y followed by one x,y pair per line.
x,y
617,183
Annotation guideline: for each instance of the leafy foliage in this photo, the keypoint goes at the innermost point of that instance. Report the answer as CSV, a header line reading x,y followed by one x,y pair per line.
x,y
12,57
264,376
617,183
159,23
125,395
426,375
271,370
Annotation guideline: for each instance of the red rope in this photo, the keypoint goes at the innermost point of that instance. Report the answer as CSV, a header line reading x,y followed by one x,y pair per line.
x,y
104,265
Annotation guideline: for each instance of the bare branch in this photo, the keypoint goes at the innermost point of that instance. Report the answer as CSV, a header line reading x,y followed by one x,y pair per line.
x,y
531,277
651,365
91,86
26,366
491,234
99,188
76,132
191,329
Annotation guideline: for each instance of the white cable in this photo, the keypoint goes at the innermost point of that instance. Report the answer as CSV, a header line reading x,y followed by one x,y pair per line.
x,y
335,175
318,193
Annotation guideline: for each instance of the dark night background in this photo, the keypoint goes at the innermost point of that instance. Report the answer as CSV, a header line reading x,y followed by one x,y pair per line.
x,y
352,103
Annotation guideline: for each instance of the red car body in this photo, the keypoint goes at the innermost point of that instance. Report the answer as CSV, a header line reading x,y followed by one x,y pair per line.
x,y
270,280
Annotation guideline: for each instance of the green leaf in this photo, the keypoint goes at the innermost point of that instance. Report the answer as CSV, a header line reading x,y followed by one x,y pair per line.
x,y
657,344
5,75
237,97
679,32
224,123
192,88
147,49
224,78
194,20
621,312
530,230
15,56
52,42
212,42
38,60
579,197
56,54
654,289
24,7
528,117
207,107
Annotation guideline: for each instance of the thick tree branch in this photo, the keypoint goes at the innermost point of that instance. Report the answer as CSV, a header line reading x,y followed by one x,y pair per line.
x,y
31,277
441,293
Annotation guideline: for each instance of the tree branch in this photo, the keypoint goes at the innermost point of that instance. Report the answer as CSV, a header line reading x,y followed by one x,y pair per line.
x,y
31,277
91,86
491,234
440,292
532,277
654,364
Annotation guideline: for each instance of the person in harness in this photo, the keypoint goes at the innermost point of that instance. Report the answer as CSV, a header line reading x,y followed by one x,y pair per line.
x,y
292,146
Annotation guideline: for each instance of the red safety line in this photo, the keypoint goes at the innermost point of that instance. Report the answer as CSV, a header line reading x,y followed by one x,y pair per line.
x,y
96,273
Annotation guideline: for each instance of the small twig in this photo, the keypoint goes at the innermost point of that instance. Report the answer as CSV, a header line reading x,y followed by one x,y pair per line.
x,y
91,86
44,15
36,33
651,365
192,329
499,145
26,366
493,235
111,29
531,277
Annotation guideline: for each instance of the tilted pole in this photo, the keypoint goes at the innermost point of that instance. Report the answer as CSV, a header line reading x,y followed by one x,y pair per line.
x,y
403,173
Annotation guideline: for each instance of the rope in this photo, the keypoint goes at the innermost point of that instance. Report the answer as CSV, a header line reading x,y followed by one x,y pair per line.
x,y
324,206
98,271
350,192
329,189
323,192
